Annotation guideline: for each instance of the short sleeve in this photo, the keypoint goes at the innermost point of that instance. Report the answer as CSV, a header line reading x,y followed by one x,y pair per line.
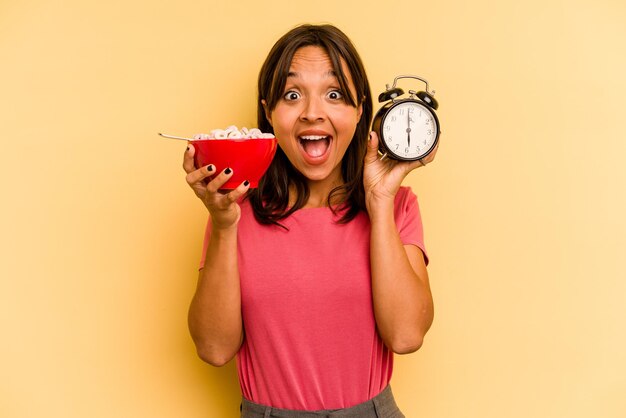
x,y
409,220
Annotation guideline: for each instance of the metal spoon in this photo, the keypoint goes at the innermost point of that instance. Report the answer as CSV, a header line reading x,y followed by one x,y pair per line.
x,y
176,137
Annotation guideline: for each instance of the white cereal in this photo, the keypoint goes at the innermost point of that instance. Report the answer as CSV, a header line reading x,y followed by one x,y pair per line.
x,y
232,132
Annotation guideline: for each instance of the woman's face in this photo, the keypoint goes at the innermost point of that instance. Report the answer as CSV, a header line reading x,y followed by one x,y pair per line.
x,y
312,122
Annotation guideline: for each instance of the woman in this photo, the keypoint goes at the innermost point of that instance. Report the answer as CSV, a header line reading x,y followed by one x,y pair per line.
x,y
317,277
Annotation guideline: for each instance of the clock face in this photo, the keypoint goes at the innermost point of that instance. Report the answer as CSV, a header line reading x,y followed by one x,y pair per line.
x,y
409,130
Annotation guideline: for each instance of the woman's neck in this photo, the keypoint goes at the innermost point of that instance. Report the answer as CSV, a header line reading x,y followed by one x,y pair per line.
x,y
318,193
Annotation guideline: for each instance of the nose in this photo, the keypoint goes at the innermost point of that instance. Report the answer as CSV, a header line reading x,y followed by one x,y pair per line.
x,y
313,110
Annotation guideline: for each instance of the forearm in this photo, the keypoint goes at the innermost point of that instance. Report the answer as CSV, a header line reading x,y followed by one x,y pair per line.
x,y
215,321
402,299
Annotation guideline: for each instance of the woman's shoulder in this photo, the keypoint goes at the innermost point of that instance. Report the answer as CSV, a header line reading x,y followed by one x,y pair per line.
x,y
405,204
405,194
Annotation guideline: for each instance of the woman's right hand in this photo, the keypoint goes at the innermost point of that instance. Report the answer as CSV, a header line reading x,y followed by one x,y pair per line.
x,y
223,207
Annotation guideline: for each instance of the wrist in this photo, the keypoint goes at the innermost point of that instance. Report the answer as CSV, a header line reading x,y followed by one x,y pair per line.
x,y
223,231
380,209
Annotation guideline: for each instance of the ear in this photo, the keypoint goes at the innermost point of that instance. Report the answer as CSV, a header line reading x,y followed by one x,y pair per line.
x,y
359,112
268,114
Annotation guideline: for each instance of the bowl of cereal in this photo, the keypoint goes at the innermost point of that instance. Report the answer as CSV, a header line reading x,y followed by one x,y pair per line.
x,y
247,152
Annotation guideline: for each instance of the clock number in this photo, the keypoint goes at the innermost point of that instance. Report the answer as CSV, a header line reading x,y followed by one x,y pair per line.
x,y
393,118
407,150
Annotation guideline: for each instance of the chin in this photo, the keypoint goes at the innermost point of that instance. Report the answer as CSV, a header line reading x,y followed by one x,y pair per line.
x,y
320,173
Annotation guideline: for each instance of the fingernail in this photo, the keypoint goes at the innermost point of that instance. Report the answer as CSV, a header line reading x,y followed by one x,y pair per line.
x,y
210,167
245,183
228,171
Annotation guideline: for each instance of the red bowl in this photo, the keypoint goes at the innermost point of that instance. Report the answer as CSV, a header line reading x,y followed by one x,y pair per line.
x,y
248,158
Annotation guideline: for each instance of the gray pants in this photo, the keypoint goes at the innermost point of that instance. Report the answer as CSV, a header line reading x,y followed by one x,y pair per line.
x,y
381,406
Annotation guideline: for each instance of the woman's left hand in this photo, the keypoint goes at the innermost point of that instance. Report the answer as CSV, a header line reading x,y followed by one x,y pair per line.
x,y
382,178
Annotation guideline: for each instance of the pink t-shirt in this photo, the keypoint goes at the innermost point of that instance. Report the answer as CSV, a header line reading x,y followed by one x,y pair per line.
x,y
310,334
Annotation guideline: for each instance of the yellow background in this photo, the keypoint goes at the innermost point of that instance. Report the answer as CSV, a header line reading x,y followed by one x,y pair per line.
x,y
524,207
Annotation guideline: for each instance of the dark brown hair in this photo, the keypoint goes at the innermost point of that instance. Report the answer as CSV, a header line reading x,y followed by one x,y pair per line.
x,y
270,201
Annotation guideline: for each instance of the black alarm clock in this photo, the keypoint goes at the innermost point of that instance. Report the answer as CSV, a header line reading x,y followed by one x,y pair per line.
x,y
407,128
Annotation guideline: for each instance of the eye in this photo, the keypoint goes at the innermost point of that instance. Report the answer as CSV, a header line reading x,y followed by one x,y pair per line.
x,y
335,95
291,95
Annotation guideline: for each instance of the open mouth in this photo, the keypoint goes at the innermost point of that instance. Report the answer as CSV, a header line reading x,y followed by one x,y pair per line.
x,y
315,146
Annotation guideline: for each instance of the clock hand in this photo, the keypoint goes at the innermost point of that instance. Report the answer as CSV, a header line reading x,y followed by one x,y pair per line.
x,y
408,129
